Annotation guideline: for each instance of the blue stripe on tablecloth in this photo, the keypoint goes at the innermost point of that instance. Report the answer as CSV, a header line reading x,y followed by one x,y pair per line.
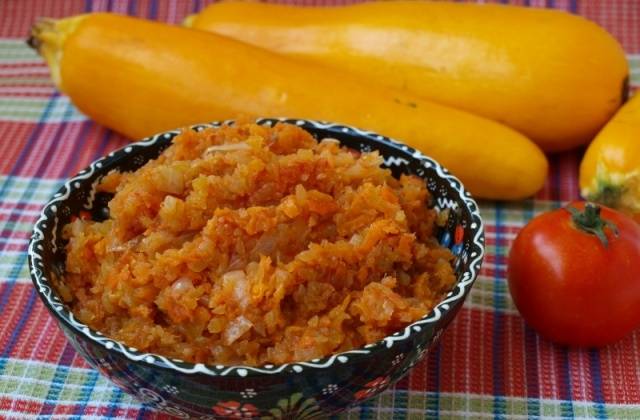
x,y
153,9
366,410
86,393
196,6
141,413
131,8
116,397
573,6
59,378
499,403
596,383
566,393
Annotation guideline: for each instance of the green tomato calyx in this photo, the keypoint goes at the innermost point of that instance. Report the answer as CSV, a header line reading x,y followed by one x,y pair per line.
x,y
590,221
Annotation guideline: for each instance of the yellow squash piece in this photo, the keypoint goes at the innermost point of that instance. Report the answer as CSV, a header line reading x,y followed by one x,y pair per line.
x,y
140,77
610,169
553,76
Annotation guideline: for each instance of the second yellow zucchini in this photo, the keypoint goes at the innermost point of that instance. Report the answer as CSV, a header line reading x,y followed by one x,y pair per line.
x,y
553,76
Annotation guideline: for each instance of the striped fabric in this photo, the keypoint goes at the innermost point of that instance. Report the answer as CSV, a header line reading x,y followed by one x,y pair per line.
x,y
489,363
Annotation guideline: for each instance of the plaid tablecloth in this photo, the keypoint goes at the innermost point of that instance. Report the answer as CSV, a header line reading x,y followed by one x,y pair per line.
x,y
489,363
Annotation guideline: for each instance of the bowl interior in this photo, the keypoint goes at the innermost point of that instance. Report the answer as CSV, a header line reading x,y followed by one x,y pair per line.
x,y
462,232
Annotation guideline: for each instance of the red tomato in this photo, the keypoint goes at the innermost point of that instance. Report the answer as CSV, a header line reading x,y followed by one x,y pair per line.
x,y
575,287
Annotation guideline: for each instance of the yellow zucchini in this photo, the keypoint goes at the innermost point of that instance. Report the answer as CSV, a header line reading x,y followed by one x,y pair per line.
x,y
553,76
610,169
140,77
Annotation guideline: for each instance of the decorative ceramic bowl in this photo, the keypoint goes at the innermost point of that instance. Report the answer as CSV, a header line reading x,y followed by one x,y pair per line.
x,y
308,389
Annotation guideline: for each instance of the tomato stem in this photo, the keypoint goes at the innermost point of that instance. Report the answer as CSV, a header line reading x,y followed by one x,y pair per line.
x,y
591,222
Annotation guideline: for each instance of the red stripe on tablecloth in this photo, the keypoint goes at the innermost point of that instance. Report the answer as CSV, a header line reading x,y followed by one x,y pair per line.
x,y
24,341
61,140
15,71
42,341
464,367
22,213
17,218
66,144
11,247
569,163
58,140
20,405
621,362
95,142
82,149
53,141
418,379
15,307
26,91
495,272
581,376
34,407
20,15
561,182
37,154
14,235
515,367
453,374
99,142
502,229
6,204
620,17
492,259
13,138
21,69
55,343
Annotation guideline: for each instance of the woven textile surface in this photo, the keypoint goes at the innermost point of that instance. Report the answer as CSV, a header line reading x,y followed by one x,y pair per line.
x,y
488,364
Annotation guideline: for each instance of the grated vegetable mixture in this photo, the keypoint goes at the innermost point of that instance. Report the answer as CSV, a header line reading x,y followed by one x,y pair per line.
x,y
252,244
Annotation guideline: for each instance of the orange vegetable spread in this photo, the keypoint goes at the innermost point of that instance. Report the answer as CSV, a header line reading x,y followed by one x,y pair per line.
x,y
252,244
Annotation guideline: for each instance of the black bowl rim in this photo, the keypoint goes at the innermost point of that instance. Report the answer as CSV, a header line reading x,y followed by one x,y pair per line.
x,y
454,298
